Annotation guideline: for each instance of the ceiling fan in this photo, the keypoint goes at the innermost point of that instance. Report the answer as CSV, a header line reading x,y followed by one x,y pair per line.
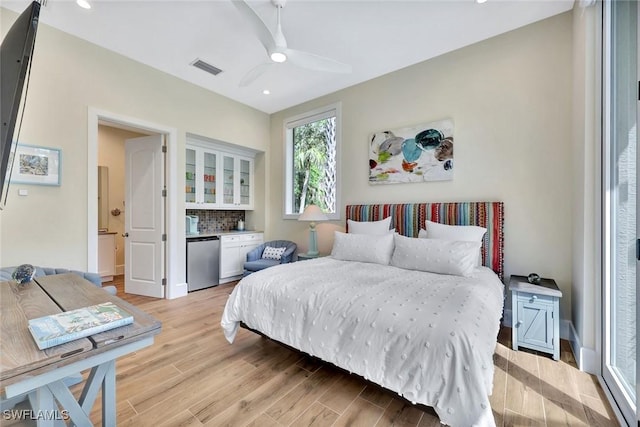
x,y
276,46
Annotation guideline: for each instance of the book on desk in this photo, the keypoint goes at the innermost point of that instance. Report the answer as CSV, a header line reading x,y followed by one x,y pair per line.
x,y
56,329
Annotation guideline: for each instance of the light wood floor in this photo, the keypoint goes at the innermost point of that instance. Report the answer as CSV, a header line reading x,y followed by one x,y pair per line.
x,y
191,376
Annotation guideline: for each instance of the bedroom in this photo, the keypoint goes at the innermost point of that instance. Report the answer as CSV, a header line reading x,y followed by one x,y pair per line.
x,y
527,158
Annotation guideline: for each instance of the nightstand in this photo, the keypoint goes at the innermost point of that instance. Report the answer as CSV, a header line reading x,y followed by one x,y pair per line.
x,y
304,256
535,315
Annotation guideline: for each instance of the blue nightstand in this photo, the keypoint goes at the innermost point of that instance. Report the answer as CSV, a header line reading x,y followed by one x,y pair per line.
x,y
536,315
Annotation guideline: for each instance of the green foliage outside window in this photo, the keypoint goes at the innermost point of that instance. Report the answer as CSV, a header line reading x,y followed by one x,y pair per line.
x,y
314,165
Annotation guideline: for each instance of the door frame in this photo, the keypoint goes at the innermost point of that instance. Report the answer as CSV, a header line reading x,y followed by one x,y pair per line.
x,y
176,241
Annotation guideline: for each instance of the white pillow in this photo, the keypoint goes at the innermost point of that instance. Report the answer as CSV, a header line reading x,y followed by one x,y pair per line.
x,y
463,233
273,253
363,247
435,255
370,227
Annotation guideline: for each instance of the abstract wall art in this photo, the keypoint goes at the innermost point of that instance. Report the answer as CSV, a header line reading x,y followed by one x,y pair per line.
x,y
413,154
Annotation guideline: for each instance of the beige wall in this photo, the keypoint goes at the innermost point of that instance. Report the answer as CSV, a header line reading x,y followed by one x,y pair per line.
x,y
510,100
112,155
509,97
586,188
69,75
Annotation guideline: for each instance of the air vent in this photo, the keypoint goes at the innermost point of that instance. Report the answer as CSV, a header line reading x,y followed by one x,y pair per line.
x,y
199,63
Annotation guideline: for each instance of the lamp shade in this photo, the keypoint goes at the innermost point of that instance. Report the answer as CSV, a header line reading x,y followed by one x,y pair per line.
x,y
312,213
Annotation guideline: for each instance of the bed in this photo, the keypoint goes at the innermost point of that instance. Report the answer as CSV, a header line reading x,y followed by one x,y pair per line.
x,y
428,337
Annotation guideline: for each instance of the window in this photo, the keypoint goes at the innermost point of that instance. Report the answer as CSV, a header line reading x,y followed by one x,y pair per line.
x,y
621,188
312,162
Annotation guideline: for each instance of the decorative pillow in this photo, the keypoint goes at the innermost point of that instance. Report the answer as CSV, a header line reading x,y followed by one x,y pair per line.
x,y
370,227
363,247
462,233
435,255
273,253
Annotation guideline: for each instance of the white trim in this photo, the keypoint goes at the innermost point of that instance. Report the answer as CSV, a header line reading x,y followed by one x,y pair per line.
x,y
587,359
298,120
176,241
612,401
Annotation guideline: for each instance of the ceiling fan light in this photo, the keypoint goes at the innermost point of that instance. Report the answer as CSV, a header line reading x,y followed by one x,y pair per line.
x,y
278,57
83,4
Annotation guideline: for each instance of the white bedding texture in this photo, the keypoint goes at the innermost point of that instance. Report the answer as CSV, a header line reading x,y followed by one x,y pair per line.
x,y
429,337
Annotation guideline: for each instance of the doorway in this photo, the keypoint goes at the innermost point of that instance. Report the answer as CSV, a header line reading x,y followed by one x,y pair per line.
x,y
174,271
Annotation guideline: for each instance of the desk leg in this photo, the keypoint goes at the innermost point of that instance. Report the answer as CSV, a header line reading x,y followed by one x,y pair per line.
x,y
69,403
109,395
42,400
102,375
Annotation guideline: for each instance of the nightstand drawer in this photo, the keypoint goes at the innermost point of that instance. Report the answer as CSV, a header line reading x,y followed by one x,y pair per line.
x,y
532,298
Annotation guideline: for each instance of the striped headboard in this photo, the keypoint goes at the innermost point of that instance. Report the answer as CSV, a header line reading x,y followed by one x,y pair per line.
x,y
409,218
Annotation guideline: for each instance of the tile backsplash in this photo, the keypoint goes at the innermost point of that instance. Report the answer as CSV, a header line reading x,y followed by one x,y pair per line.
x,y
210,221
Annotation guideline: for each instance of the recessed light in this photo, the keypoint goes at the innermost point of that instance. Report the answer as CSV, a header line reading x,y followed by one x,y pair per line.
x,y
278,57
481,1
266,92
83,4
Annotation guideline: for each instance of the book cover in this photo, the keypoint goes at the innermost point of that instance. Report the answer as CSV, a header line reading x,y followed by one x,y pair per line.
x,y
60,328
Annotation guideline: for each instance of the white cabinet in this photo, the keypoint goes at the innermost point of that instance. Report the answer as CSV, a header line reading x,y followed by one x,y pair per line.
x,y
536,315
218,176
201,168
237,183
233,253
107,256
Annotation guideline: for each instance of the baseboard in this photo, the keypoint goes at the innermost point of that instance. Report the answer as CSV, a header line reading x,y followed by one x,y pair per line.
x,y
587,359
120,269
176,291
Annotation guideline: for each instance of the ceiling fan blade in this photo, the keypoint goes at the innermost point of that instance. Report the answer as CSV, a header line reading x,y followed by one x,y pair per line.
x,y
260,28
254,73
316,62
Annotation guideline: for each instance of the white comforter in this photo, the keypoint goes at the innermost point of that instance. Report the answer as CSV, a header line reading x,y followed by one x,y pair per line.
x,y
429,337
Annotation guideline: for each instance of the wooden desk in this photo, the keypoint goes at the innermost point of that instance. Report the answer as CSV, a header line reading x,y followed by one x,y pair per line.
x,y
26,369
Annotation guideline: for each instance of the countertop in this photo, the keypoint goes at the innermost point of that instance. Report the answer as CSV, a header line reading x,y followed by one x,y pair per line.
x,y
222,233
100,232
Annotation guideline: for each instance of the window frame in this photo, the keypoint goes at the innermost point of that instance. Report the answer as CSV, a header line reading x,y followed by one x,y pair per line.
x,y
327,111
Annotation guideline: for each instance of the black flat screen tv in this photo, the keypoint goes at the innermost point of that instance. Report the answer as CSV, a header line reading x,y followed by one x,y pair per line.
x,y
16,52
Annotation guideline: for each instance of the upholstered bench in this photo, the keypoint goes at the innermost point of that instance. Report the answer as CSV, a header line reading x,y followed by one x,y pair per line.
x,y
6,272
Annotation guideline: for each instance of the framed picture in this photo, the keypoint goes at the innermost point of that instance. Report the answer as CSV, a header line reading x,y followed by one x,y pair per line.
x,y
36,165
419,153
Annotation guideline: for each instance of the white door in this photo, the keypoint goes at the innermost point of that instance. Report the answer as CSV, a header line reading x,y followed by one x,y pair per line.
x,y
144,216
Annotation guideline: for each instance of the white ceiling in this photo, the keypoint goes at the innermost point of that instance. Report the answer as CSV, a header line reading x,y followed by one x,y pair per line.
x,y
374,36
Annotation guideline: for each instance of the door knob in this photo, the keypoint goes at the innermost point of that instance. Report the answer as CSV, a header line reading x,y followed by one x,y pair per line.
x,y
125,234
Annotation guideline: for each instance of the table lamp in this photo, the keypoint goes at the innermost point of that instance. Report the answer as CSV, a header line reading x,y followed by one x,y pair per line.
x,y
312,213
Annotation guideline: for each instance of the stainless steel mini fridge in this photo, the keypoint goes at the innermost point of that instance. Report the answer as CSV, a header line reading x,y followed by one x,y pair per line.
x,y
203,262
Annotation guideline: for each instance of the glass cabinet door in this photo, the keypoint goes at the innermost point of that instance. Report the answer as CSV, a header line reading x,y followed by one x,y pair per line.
x,y
227,183
190,178
209,177
245,182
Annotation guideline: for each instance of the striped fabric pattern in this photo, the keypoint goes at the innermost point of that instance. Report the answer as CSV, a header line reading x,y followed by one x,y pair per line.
x,y
409,218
